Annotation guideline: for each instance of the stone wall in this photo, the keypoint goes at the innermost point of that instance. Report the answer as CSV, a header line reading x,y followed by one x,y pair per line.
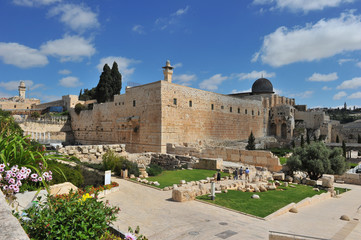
x,y
9,225
351,178
257,158
92,153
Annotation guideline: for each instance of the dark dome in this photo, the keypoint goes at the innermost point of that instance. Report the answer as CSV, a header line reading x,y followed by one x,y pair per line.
x,y
262,85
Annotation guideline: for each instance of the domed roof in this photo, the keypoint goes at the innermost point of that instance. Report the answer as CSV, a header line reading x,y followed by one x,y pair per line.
x,y
262,85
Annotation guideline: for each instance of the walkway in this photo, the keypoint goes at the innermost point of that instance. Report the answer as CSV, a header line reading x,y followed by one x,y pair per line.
x,y
161,218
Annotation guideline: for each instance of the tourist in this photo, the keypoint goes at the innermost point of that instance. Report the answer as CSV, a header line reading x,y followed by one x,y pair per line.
x,y
247,174
218,176
235,174
240,173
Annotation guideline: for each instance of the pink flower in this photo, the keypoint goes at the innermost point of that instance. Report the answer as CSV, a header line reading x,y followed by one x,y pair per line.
x,y
2,165
11,180
23,171
40,179
45,174
34,175
16,188
5,187
1,169
129,236
13,174
28,170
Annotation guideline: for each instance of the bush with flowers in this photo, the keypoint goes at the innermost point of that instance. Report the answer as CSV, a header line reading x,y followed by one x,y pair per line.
x,y
76,215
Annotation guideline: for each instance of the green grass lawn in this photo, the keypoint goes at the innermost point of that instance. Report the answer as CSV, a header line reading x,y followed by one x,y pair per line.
x,y
342,190
268,203
283,160
168,178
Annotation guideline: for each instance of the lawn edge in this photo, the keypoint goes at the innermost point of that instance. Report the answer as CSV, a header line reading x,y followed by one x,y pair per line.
x,y
143,184
230,209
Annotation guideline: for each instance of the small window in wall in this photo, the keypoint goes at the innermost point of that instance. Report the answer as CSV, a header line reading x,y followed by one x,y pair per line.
x,y
230,109
174,101
115,104
134,103
14,106
212,106
190,103
252,112
245,111
258,113
239,110
27,108
222,107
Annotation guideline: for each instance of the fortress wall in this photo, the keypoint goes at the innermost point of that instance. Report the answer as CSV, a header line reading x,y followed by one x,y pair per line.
x,y
184,123
312,119
121,122
15,105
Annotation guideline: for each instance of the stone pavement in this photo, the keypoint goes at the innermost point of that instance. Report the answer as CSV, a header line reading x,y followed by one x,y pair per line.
x,y
161,218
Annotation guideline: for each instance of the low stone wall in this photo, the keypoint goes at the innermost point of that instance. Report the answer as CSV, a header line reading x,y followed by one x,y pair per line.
x,y
351,178
256,158
92,153
210,164
9,225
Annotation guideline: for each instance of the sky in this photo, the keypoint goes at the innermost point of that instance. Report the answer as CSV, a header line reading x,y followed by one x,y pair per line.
x,y
309,49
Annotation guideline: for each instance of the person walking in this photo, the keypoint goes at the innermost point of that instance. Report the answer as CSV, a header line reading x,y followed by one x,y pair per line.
x,y
235,174
247,174
240,173
218,176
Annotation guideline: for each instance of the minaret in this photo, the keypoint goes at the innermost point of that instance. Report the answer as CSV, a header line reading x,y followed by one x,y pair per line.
x,y
168,72
22,89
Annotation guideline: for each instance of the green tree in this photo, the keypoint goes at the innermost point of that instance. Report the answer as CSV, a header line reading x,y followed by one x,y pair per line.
x,y
316,159
117,79
359,139
344,148
251,142
337,139
104,88
308,138
79,107
302,141
314,138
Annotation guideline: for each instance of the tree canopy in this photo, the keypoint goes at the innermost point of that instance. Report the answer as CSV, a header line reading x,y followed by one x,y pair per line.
x,y
110,84
251,142
316,159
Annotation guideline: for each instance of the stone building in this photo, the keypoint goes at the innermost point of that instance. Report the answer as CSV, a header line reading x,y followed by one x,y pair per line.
x,y
18,103
150,116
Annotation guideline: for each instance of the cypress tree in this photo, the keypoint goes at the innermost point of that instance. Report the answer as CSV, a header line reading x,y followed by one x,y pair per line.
x,y
302,141
344,148
359,139
117,79
251,142
337,139
314,138
104,91
308,139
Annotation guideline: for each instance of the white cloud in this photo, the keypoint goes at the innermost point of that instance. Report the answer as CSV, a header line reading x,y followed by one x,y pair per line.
x,y
21,56
165,22
69,48
77,17
325,88
64,72
302,5
323,39
138,29
358,64
13,85
253,75
31,3
318,77
305,94
240,91
339,95
178,65
345,60
70,82
355,95
184,79
353,83
212,82
124,64
181,11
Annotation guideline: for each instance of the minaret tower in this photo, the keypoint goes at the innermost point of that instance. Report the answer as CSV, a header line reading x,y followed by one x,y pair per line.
x,y
22,90
168,72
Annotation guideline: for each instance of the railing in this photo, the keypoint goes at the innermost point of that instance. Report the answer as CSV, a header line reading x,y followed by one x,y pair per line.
x,y
295,236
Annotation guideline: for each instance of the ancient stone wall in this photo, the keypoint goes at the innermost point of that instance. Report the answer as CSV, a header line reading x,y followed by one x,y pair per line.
x,y
192,115
350,178
312,119
257,158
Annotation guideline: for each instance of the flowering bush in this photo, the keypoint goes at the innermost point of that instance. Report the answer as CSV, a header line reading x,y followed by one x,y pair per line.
x,y
14,179
72,216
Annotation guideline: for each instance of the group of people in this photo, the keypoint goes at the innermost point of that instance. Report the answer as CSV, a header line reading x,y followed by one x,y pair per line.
x,y
238,174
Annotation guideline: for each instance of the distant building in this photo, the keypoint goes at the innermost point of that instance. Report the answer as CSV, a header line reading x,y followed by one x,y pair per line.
x,y
19,103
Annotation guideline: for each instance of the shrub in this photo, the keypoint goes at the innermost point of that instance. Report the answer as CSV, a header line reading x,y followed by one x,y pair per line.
x,y
154,170
117,163
35,115
72,174
109,160
79,107
76,215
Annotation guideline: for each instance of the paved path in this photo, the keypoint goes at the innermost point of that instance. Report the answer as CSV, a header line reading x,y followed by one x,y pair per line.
x,y
161,218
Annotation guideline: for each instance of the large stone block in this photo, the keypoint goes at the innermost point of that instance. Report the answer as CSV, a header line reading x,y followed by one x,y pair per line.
x,y
279,176
327,181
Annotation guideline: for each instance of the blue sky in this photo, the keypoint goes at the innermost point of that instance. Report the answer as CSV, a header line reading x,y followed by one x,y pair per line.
x,y
309,49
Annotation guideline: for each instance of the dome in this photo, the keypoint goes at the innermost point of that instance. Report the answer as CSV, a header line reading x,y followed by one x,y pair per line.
x,y
22,84
262,85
